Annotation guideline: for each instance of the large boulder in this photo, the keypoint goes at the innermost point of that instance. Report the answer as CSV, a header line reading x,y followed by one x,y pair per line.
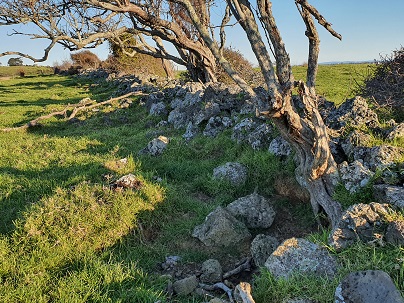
x,y
370,286
254,211
221,228
300,256
233,172
365,222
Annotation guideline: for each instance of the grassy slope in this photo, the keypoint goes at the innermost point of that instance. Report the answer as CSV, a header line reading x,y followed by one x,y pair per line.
x,y
66,238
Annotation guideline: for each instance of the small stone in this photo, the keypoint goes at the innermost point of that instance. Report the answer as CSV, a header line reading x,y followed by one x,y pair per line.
x,y
211,271
156,146
262,247
185,286
233,172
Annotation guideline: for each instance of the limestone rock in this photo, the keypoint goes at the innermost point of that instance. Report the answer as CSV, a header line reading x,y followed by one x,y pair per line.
x,y
185,286
211,271
280,147
216,125
370,286
353,112
191,131
221,229
300,256
158,109
377,157
354,175
396,132
395,233
156,146
262,247
253,210
127,181
233,172
359,222
354,139
177,118
393,195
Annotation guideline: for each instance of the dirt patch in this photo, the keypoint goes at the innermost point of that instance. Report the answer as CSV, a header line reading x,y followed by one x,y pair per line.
x,y
4,78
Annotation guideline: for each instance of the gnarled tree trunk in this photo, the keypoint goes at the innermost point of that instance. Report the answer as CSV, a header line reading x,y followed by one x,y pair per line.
x,y
296,116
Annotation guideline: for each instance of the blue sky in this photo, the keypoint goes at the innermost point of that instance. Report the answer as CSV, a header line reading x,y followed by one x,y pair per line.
x,y
368,27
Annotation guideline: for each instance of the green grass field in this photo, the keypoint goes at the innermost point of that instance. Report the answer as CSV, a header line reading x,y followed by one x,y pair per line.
x,y
65,236
15,71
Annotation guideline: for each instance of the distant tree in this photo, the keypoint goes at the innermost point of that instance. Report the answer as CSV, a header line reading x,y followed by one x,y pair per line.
x,y
85,59
15,62
126,59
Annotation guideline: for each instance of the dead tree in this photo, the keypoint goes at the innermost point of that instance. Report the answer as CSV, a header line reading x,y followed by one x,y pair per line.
x,y
295,114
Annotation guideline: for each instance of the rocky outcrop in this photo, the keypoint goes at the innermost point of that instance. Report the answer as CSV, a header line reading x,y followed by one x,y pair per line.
x,y
354,175
365,222
353,112
280,147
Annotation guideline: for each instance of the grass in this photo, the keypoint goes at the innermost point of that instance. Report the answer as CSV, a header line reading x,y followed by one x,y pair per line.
x,y
335,82
65,236
15,71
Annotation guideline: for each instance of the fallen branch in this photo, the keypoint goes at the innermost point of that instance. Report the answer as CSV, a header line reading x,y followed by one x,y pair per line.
x,y
245,266
219,285
76,108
